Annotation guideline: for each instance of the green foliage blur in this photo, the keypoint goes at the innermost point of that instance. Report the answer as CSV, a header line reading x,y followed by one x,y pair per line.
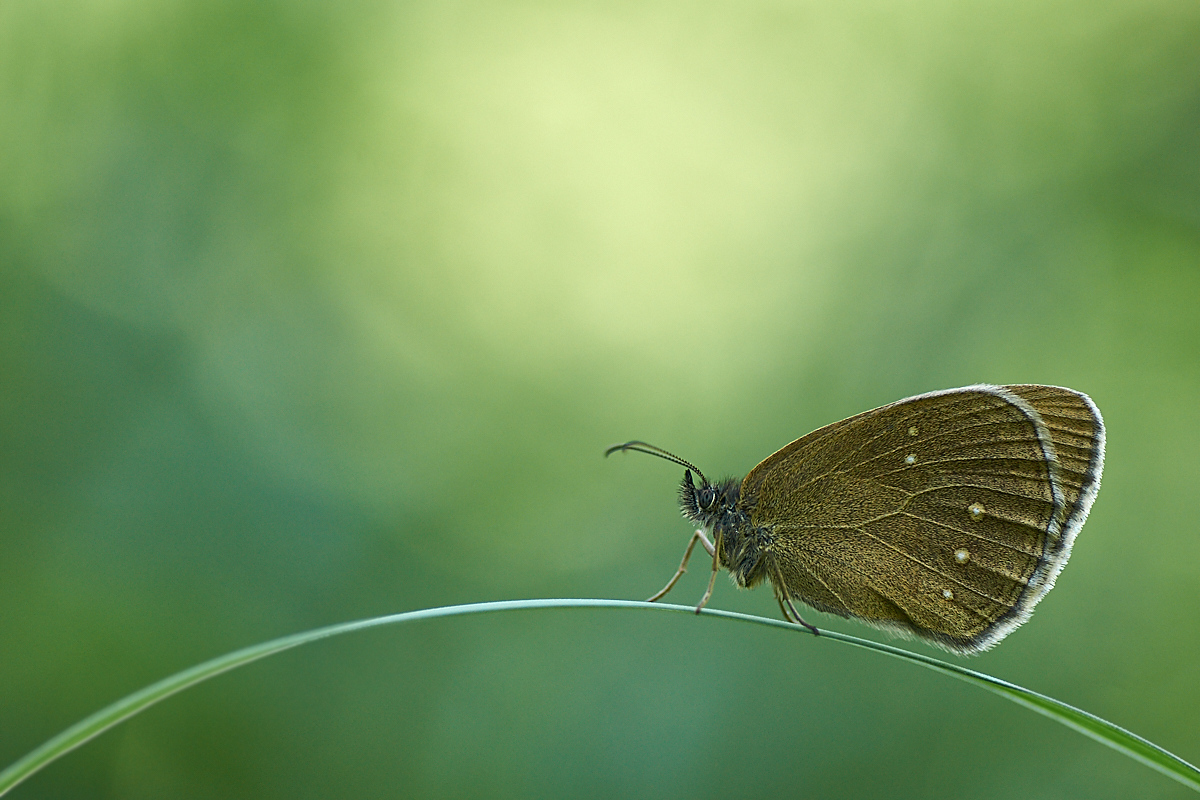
x,y
318,311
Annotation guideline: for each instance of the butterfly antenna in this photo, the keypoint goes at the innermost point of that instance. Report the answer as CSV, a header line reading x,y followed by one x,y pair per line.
x,y
651,450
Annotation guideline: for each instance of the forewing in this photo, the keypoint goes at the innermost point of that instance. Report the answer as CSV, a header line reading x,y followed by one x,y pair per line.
x,y
940,515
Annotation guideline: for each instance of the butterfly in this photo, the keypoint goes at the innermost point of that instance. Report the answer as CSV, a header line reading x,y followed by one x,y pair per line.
x,y
946,516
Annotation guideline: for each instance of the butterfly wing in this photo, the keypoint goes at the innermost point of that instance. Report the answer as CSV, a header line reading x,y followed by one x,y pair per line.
x,y
945,515
1077,431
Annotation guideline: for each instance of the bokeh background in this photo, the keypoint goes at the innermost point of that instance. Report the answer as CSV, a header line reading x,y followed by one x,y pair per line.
x,y
317,311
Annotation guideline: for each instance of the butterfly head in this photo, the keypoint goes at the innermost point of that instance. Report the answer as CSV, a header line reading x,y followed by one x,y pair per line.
x,y
741,548
707,504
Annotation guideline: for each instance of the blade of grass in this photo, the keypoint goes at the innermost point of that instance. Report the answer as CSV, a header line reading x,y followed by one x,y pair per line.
x,y
1102,731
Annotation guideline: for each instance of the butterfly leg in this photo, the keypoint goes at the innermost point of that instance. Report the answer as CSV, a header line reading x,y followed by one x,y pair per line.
x,y
791,614
698,536
712,579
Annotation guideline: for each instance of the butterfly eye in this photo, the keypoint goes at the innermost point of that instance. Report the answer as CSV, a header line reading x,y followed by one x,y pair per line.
x,y
708,497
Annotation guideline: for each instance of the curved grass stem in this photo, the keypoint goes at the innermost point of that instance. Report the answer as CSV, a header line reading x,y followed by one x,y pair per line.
x,y
1090,725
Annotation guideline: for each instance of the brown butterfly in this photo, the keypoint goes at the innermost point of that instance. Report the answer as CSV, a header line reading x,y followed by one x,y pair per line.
x,y
945,516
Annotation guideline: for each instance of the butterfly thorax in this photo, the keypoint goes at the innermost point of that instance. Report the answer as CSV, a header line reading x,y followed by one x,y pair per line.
x,y
742,548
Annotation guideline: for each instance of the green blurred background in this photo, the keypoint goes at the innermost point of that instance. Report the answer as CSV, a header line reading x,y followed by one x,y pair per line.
x,y
318,311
